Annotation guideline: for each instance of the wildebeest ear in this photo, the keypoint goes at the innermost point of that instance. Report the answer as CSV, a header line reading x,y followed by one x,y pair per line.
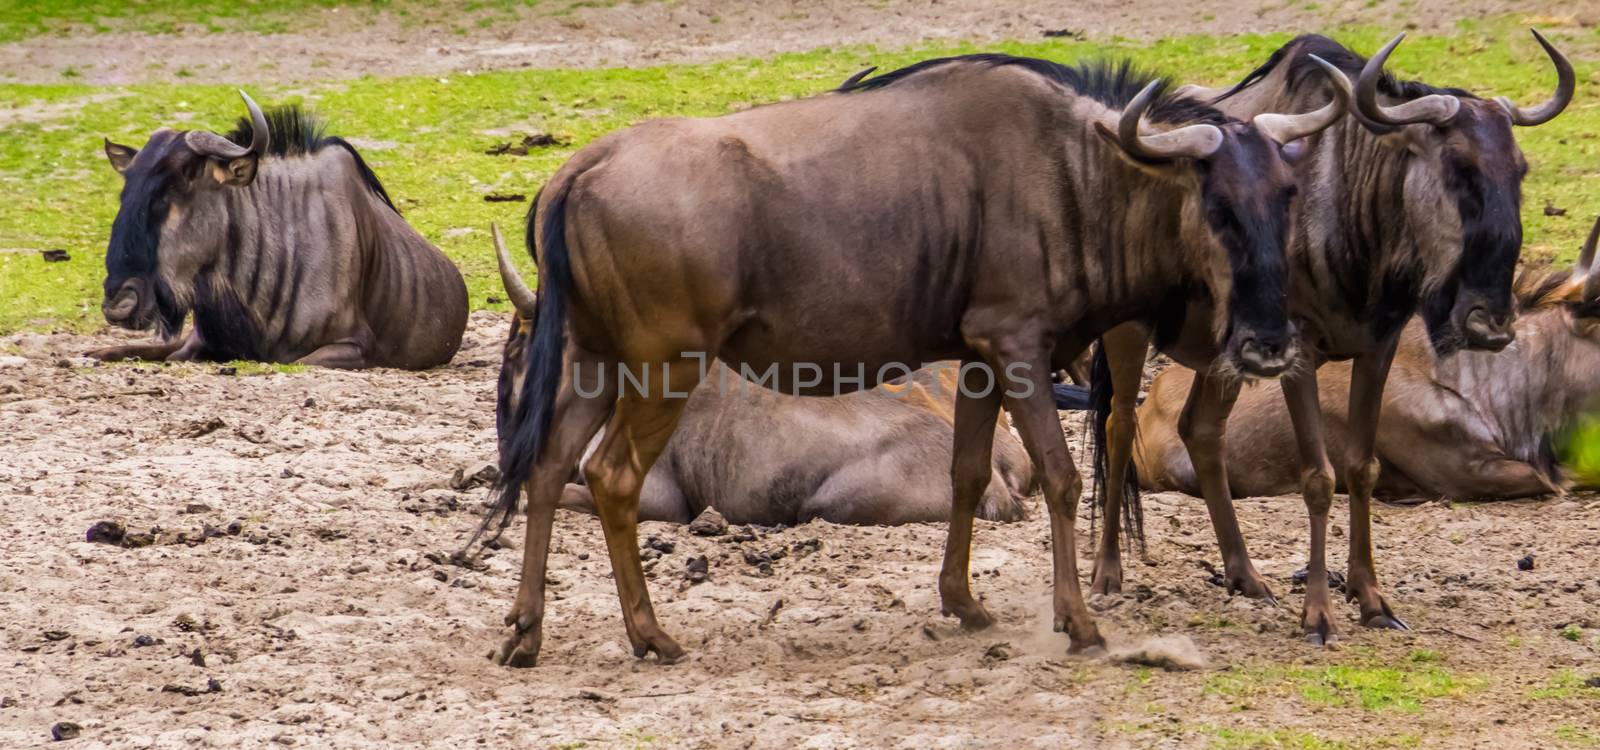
x,y
121,156
235,172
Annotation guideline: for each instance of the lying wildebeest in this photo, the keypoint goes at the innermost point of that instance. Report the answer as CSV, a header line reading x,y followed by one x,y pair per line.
x,y
1413,202
874,457
897,221
283,244
1475,425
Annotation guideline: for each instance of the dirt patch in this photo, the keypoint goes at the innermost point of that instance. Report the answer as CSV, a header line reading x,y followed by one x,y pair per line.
x,y
351,42
331,615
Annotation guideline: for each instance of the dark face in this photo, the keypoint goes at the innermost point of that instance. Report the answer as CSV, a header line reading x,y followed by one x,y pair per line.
x,y
1247,190
513,369
156,181
1481,171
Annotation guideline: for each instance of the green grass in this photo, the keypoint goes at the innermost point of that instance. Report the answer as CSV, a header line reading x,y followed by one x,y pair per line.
x,y
62,193
1225,738
1370,688
23,18
1565,686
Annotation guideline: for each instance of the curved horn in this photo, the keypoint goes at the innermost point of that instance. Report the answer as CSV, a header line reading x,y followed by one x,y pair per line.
x,y
260,136
1586,265
1192,141
517,290
1433,108
1288,128
1566,83
855,79
207,143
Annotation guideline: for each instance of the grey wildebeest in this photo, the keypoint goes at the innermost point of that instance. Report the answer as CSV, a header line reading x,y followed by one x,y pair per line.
x,y
872,457
1475,425
822,244
282,243
1411,205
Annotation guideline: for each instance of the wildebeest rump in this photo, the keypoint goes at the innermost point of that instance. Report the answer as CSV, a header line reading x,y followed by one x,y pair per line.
x,y
282,243
873,457
1411,205
992,209
1475,425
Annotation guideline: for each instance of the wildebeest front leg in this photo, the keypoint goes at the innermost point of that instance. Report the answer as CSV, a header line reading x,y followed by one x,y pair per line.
x,y
634,438
1125,348
574,420
1203,427
1035,417
1368,374
972,457
150,351
340,355
1316,482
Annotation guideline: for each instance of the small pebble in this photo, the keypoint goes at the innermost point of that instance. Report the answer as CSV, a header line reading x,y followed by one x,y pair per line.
x,y
1526,563
64,730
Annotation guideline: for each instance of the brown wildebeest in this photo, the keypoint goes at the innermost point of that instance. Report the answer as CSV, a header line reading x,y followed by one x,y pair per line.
x,y
282,243
1412,203
874,457
1475,425
822,244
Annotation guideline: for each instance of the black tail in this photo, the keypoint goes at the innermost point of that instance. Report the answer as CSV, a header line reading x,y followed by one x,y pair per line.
x,y
522,428
1100,391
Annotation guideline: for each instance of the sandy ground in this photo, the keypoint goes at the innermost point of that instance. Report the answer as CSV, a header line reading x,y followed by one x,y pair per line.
x,y
348,42
330,620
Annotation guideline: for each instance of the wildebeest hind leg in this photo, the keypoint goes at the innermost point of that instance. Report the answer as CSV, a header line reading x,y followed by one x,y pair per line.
x,y
1125,348
573,422
1203,428
1368,374
634,437
971,469
340,355
1034,415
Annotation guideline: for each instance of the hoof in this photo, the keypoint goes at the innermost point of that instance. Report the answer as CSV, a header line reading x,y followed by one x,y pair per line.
x,y
1386,622
1270,600
1105,586
1091,645
1322,641
518,653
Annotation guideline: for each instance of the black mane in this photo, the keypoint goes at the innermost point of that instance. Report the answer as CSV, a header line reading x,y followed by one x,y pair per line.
x,y
1302,67
296,132
1113,83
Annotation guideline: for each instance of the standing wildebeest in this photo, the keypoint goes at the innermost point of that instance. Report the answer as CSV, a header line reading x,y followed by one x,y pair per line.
x,y
988,208
1472,425
875,457
282,243
1413,202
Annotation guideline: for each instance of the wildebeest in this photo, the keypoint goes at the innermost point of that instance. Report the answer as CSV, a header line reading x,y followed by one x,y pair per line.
x,y
988,208
873,457
282,243
1411,205
1476,425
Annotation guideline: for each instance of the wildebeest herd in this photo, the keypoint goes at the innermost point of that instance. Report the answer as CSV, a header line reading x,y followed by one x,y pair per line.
x,y
817,309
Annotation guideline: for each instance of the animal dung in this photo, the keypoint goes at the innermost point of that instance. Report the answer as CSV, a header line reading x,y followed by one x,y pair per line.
x,y
532,141
708,523
505,198
1526,563
55,256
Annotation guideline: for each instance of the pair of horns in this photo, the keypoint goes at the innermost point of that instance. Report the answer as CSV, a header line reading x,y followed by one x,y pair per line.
x,y
517,290
1438,109
207,143
1203,140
